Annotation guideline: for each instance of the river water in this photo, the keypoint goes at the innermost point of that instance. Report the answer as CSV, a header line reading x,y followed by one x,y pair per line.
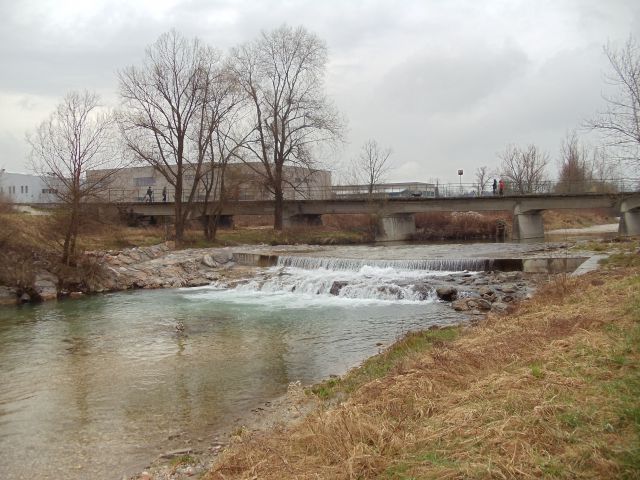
x,y
98,387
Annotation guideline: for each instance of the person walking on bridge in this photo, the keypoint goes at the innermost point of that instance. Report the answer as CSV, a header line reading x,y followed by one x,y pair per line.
x,y
149,195
501,187
495,186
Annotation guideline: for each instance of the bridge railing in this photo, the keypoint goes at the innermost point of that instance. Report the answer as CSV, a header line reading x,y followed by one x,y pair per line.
x,y
346,192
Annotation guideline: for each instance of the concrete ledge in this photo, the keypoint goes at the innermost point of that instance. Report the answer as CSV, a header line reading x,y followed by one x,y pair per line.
x,y
552,265
255,259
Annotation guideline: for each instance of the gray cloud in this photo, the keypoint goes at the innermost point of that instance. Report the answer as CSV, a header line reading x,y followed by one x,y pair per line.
x,y
445,84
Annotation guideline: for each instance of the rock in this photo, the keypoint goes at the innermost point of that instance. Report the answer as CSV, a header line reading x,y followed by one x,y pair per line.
x,y
223,256
209,261
500,307
46,286
471,303
447,293
508,288
487,293
8,296
76,294
507,298
391,290
336,286
423,291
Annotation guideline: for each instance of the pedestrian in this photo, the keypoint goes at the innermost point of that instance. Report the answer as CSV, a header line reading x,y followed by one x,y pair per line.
x,y
501,187
164,194
495,186
149,194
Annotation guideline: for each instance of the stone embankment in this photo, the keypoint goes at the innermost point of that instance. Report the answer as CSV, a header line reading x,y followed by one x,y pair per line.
x,y
160,267
157,266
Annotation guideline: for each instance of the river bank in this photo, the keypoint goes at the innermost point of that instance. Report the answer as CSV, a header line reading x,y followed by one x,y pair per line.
x,y
549,390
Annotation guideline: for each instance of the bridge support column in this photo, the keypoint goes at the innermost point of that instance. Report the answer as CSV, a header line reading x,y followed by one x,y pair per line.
x,y
629,222
397,227
302,220
527,225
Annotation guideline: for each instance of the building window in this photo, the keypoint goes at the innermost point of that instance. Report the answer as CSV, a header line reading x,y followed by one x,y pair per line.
x,y
21,189
26,189
49,190
144,181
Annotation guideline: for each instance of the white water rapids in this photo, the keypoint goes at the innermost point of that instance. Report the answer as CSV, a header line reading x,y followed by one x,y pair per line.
x,y
298,281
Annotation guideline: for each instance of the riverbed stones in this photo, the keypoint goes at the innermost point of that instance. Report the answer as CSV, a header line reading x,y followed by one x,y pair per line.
x,y
8,296
447,293
470,304
507,288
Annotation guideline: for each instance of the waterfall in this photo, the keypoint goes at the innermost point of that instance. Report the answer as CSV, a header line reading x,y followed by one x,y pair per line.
x,y
352,264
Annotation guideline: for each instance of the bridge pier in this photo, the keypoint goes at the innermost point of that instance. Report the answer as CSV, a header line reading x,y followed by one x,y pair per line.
x,y
527,225
629,218
302,220
396,227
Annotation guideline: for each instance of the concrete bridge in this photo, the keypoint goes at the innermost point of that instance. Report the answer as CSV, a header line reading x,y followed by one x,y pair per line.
x,y
396,215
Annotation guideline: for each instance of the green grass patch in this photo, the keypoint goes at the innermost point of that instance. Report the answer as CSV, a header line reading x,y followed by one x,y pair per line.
x,y
379,365
182,460
536,370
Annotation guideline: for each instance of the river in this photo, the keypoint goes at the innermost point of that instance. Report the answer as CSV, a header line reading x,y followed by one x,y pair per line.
x,y
98,387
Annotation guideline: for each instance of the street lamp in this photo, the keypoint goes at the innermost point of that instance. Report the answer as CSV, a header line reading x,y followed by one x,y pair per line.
x,y
460,172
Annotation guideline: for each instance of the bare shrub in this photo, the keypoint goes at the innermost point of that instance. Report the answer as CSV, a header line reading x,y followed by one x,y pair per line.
x,y
458,225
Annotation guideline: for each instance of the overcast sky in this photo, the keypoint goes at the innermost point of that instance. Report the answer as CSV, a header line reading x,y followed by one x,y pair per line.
x,y
445,84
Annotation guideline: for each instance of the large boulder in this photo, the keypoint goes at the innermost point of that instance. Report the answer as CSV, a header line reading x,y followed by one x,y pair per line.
x,y
223,256
447,293
45,286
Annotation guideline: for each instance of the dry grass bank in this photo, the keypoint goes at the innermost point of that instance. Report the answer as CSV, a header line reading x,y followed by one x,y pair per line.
x,y
550,391
557,219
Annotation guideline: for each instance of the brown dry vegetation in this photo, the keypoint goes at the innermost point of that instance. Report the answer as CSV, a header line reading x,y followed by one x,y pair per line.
x,y
557,219
459,225
547,392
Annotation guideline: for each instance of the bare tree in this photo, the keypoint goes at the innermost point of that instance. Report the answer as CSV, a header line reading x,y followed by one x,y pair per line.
x,y
167,117
482,178
223,145
282,76
77,137
372,165
524,169
620,122
575,173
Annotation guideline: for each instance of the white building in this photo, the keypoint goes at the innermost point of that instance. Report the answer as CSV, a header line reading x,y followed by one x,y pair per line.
x,y
25,188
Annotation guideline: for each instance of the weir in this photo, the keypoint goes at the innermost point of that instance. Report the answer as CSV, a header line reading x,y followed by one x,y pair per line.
x,y
527,265
436,264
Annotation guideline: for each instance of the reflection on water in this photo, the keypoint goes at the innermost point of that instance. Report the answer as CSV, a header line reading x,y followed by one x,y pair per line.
x,y
96,388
